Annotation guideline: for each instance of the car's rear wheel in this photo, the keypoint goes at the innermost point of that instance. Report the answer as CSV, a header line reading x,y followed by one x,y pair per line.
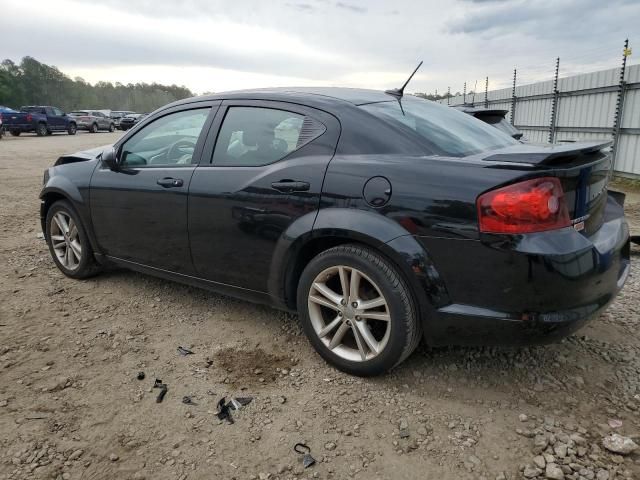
x,y
112,128
15,133
41,130
68,242
93,128
72,129
357,310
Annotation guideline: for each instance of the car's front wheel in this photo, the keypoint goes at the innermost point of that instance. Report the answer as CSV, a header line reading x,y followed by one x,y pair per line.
x,y
15,133
68,242
112,128
93,128
357,310
72,129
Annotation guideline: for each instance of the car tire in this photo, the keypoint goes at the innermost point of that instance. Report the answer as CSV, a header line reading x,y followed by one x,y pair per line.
x,y
112,128
388,332
93,128
66,247
72,129
15,133
41,130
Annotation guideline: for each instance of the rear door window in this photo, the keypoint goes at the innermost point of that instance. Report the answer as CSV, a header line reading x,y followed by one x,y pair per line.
x,y
256,136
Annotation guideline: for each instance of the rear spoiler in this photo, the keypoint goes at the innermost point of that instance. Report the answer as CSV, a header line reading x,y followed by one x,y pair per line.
x,y
549,154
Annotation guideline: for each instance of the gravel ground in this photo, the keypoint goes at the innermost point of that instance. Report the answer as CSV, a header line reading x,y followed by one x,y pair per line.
x,y
71,405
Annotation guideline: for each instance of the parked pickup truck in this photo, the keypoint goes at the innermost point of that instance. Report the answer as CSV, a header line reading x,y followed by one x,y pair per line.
x,y
41,120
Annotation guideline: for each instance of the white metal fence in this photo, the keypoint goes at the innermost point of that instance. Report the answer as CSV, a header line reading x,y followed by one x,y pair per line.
x,y
585,110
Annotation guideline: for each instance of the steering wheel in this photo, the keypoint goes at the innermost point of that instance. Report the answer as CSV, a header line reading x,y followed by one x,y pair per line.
x,y
177,150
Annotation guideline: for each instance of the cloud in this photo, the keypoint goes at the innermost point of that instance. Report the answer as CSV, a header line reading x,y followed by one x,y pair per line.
x,y
353,8
216,44
305,7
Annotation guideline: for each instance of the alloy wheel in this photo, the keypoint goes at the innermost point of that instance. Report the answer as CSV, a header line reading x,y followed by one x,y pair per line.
x,y
349,313
65,240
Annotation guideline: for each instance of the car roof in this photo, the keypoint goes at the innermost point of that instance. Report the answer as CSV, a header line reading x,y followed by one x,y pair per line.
x,y
304,95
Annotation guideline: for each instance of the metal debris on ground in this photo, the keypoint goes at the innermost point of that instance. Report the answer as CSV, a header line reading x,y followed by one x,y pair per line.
x,y
140,376
305,451
163,389
184,352
187,400
224,407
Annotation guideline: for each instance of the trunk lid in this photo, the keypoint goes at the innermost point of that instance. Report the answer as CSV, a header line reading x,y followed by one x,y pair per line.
x,y
583,169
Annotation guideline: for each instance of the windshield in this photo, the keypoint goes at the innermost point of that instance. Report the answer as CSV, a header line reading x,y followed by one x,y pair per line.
x,y
78,114
444,131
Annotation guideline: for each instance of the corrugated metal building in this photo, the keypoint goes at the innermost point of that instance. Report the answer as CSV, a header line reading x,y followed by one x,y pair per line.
x,y
585,110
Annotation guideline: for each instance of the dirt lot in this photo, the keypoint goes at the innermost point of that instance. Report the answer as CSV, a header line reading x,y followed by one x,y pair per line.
x,y
71,406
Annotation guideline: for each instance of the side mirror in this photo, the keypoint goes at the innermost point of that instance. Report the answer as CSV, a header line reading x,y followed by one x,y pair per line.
x,y
109,158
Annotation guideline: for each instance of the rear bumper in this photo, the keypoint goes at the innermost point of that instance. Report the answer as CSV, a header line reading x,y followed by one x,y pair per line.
x,y
532,289
19,127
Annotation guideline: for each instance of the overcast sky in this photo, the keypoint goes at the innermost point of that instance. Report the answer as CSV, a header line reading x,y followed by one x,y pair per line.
x,y
216,45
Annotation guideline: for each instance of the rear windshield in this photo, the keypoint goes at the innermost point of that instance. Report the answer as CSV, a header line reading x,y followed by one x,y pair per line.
x,y
443,131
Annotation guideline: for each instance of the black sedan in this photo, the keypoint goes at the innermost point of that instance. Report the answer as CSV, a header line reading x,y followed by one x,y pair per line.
x,y
381,220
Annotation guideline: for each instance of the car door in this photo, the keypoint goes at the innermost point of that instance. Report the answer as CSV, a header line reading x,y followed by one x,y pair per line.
x,y
55,119
139,210
265,173
97,117
103,121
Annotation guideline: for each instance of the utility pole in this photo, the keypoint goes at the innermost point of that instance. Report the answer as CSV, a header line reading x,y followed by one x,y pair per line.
x,y
513,99
554,104
617,119
464,93
486,93
448,94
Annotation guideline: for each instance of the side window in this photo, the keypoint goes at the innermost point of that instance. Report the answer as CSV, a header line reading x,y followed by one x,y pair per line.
x,y
168,141
255,136
57,111
97,114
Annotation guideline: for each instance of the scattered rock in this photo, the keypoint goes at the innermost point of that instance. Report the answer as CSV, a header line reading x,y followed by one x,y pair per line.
x,y
113,457
554,472
330,446
531,472
539,461
618,444
76,455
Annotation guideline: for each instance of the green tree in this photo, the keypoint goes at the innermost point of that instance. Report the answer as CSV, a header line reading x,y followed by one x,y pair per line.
x,y
35,83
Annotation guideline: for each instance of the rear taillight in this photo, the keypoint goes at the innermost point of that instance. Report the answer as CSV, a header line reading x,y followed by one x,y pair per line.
x,y
29,117
525,207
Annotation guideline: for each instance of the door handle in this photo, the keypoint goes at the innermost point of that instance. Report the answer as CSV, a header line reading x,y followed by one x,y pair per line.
x,y
289,186
169,182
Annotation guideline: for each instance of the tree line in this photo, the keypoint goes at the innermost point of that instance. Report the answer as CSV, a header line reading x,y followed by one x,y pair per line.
x,y
34,83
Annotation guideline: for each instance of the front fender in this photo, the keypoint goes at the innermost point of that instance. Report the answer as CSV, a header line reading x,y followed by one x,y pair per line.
x,y
60,185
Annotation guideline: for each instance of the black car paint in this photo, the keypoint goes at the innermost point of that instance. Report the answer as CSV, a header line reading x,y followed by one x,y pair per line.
x,y
470,287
